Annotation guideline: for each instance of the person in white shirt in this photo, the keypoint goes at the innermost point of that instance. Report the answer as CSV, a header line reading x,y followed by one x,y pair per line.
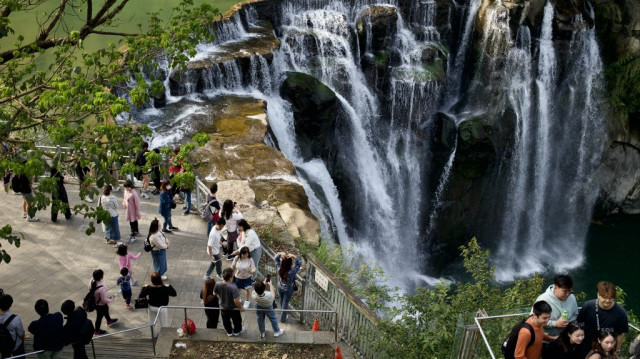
x,y
216,236
264,304
249,238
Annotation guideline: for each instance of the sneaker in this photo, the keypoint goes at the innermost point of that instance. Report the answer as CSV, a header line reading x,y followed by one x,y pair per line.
x,y
134,283
127,306
230,334
88,199
100,332
219,277
33,219
112,322
166,231
132,239
155,192
262,335
205,277
278,333
24,215
118,244
145,196
246,304
241,331
173,228
164,277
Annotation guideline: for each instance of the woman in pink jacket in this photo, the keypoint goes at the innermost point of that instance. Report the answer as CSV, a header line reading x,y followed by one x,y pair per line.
x,y
131,203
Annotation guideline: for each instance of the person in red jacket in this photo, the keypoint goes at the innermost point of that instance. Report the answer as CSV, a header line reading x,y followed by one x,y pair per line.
x,y
538,320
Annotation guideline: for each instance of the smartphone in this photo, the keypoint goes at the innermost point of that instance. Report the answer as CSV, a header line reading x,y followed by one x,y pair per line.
x,y
268,278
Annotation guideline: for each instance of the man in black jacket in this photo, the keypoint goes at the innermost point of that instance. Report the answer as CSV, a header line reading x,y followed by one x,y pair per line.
x,y
78,330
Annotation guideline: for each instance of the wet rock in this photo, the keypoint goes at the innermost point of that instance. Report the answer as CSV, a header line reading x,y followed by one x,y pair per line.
x,y
376,27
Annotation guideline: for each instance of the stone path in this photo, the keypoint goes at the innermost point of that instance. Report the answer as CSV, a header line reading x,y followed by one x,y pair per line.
x,y
55,262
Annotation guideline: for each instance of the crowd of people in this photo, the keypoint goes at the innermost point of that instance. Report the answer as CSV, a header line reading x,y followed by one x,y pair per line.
x,y
228,292
558,329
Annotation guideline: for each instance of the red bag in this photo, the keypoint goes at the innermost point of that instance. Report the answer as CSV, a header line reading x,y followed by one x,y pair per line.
x,y
188,326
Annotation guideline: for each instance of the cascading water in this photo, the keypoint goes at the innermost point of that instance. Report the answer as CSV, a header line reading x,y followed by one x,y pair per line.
x,y
387,128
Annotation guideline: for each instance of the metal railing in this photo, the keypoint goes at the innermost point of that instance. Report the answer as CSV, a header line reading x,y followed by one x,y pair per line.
x,y
479,319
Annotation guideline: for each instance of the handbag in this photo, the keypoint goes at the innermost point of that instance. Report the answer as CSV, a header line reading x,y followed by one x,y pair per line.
x,y
141,303
173,205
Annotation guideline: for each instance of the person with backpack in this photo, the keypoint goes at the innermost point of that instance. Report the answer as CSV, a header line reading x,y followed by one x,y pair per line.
x,y
11,329
21,183
101,301
47,332
525,339
78,330
211,209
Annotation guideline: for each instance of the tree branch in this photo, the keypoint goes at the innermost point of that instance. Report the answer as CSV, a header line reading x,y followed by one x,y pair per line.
x,y
45,33
112,33
89,9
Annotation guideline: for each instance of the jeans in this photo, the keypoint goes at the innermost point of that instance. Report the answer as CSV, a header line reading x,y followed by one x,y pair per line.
x,y
126,295
163,318
159,258
285,297
50,354
113,229
210,225
188,200
268,311
167,222
231,315
255,255
216,262
102,311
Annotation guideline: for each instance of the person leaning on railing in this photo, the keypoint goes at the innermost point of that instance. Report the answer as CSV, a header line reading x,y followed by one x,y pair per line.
x,y
158,294
286,278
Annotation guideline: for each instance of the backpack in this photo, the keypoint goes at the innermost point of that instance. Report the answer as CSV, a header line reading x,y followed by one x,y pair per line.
x,y
147,245
188,326
86,333
7,342
89,301
509,345
209,214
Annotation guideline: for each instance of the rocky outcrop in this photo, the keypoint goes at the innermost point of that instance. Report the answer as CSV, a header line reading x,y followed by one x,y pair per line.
x,y
256,175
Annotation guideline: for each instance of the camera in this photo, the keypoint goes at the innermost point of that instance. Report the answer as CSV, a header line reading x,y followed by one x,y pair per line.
x,y
268,278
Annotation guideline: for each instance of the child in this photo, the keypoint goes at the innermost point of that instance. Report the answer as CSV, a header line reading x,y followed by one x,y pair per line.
x,y
125,287
125,260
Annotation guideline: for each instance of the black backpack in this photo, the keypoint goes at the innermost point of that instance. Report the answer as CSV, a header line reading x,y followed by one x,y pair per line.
x,y
7,342
509,345
147,245
89,301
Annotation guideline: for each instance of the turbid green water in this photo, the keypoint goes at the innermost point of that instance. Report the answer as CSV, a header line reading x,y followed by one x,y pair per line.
x,y
613,254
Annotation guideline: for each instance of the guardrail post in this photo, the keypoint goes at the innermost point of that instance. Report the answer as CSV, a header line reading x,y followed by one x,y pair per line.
x,y
335,331
186,327
93,348
197,190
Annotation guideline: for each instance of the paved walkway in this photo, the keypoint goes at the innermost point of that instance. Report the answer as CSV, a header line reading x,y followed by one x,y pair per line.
x,y
55,261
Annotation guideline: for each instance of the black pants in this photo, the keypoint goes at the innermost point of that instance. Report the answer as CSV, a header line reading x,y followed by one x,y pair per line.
x,y
102,311
231,315
134,227
213,316
79,351
155,176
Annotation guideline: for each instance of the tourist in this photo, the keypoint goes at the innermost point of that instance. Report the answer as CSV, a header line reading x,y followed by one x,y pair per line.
x,y
124,258
603,314
21,184
229,298
167,202
567,346
141,161
131,204
158,294
160,244
231,214
155,174
59,198
124,282
13,324
249,238
78,330
216,236
47,332
634,348
102,301
603,346
243,269
109,202
212,201
537,320
564,307
264,305
210,300
82,172
286,278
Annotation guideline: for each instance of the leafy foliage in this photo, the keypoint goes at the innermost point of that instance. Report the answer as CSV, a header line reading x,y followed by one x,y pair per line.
x,y
623,77
73,99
